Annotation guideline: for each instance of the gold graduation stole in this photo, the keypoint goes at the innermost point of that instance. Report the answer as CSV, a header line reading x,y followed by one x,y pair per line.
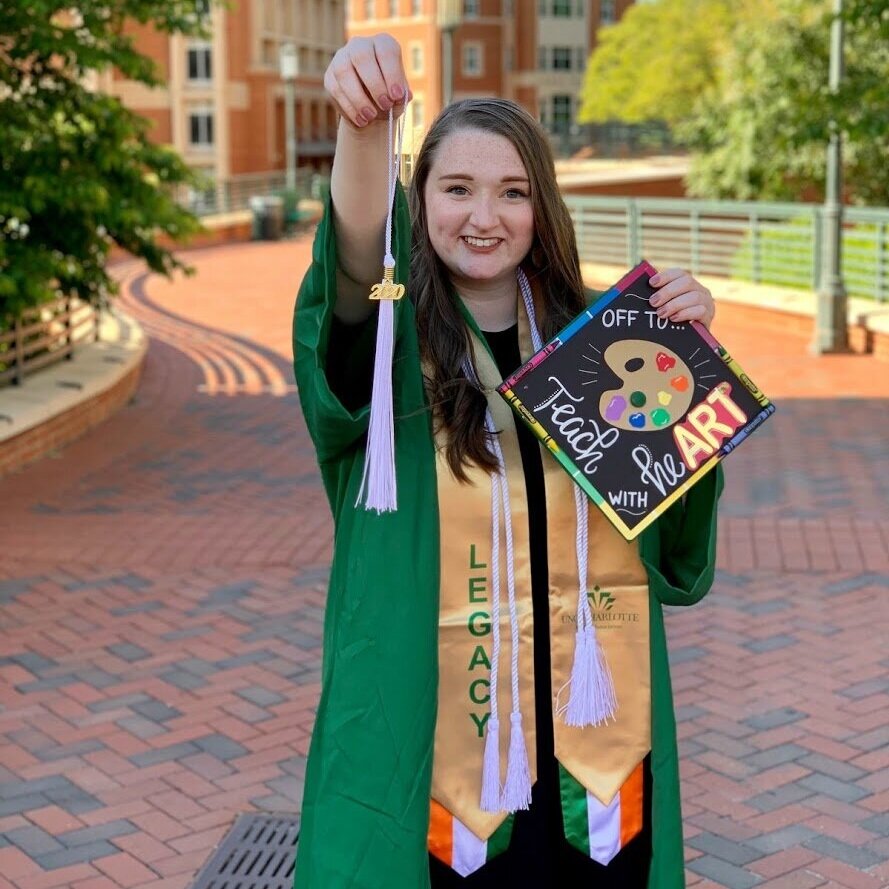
x,y
600,767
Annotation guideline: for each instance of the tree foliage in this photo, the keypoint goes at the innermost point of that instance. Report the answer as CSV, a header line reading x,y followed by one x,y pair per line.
x,y
656,62
79,172
758,115
762,131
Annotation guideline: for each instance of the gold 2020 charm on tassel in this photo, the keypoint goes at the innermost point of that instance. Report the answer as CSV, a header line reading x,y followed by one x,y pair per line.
x,y
387,288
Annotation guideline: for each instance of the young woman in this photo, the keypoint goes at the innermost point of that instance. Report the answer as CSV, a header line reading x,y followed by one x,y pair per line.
x,y
441,753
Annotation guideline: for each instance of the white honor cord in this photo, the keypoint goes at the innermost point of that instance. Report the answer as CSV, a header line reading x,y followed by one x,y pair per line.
x,y
592,700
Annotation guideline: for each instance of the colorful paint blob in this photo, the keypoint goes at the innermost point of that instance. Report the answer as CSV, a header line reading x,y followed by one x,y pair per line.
x,y
680,383
664,398
638,399
616,408
660,417
637,421
665,362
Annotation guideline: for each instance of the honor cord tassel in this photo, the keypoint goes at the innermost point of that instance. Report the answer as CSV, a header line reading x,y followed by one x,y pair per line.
x,y
491,787
592,699
515,793
517,786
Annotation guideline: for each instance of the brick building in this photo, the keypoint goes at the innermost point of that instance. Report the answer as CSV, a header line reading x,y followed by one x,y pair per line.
x,y
223,104
532,51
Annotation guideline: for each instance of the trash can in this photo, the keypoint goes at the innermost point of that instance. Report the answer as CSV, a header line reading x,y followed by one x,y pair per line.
x,y
268,217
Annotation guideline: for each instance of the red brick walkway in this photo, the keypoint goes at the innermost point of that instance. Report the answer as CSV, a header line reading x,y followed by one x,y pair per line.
x,y
162,586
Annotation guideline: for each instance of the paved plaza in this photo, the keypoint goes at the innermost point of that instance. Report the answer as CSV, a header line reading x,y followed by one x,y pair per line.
x,y
162,584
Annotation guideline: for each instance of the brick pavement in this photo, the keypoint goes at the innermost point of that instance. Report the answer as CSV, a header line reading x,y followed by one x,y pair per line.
x,y
162,586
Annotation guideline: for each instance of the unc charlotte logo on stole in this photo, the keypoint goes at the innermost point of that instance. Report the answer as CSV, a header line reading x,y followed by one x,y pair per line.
x,y
600,599
605,617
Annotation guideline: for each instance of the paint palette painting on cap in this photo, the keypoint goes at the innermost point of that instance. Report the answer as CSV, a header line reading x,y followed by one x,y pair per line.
x,y
636,408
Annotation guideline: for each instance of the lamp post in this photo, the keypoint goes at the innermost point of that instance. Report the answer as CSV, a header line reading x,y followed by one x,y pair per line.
x,y
830,317
289,66
450,13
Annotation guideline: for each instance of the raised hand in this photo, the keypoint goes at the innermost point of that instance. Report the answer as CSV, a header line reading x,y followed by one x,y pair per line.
x,y
366,78
680,297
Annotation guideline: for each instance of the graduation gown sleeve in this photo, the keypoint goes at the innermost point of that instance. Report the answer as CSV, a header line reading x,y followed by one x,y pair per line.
x,y
335,421
365,807
679,549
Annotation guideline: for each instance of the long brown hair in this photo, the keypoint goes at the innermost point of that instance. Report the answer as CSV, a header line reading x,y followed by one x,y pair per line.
x,y
552,265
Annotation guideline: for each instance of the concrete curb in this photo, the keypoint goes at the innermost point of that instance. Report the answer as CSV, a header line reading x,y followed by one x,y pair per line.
x,y
62,402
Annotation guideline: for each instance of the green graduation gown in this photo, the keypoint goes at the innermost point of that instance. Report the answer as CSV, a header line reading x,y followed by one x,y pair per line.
x,y
365,810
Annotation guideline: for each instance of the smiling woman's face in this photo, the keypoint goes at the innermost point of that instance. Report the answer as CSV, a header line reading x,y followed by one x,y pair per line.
x,y
478,207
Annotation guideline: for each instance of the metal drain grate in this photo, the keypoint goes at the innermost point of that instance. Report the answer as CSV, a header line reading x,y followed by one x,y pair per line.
x,y
259,852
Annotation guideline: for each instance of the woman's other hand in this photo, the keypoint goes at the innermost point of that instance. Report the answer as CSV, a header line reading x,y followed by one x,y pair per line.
x,y
366,78
680,297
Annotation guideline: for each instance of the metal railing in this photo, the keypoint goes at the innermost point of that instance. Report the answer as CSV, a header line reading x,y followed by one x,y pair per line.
x,y
44,335
227,195
766,243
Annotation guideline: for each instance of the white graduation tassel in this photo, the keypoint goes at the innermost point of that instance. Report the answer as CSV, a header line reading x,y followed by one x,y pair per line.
x,y
592,699
378,483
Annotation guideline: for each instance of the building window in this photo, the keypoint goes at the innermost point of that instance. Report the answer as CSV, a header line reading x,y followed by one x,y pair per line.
x,y
393,9
606,12
581,58
581,8
200,64
561,122
561,58
369,9
542,7
509,58
562,8
470,9
472,60
417,7
200,128
416,58
418,119
543,57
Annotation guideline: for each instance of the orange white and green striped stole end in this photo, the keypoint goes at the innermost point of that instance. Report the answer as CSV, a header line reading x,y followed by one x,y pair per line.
x,y
454,844
600,831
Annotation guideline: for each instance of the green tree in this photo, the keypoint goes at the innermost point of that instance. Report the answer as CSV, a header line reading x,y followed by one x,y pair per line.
x,y
660,58
761,130
79,172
